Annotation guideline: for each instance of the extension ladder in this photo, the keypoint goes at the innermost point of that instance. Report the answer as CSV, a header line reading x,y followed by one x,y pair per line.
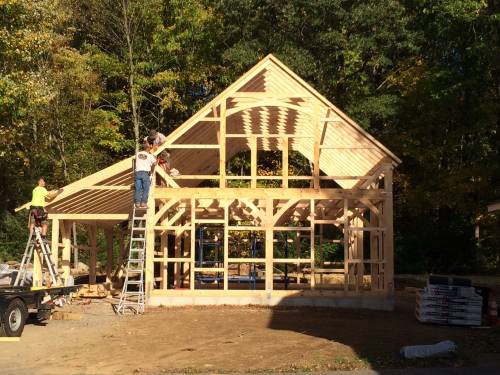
x,y
35,241
132,296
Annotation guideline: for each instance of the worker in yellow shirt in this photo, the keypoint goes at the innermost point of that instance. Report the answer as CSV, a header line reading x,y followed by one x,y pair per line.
x,y
38,202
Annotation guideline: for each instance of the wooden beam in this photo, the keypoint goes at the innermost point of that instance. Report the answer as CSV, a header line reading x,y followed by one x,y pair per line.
x,y
92,231
269,135
193,243
317,141
196,177
75,244
288,206
177,216
164,259
175,228
37,269
253,162
267,103
388,234
267,95
55,242
177,266
226,243
374,253
264,193
98,217
284,162
346,245
66,227
193,146
109,254
163,209
247,260
255,211
269,248
292,261
150,240
313,248
108,187
170,182
210,119
222,144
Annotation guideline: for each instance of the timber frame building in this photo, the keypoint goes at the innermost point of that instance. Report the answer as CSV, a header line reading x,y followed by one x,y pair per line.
x,y
215,236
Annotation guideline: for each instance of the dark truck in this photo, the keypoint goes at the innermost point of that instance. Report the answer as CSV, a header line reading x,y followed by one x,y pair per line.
x,y
15,302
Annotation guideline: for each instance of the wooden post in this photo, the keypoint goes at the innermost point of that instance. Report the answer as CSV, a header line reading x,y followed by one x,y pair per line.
x,y
75,246
317,141
92,231
297,250
222,144
164,264
374,253
193,242
150,242
358,253
284,162
346,245
37,269
388,234
186,270
269,244
321,241
109,254
313,237
253,162
226,243
55,242
66,228
177,252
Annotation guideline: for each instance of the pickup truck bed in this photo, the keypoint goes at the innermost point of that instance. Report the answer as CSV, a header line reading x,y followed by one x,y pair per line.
x,y
15,302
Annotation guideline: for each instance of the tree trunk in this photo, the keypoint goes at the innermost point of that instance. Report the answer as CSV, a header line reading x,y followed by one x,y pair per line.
x,y
131,71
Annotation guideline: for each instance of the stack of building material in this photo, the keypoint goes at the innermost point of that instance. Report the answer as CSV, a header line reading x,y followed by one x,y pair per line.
x,y
446,303
5,275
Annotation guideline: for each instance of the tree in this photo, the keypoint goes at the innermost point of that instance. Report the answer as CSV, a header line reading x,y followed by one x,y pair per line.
x,y
119,35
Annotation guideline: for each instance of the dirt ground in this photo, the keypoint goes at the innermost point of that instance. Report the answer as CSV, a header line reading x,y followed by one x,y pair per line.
x,y
231,339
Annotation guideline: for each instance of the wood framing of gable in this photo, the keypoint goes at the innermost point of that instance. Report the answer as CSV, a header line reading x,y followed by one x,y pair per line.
x,y
269,108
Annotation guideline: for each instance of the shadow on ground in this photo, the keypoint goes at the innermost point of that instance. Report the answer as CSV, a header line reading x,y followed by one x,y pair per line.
x,y
376,337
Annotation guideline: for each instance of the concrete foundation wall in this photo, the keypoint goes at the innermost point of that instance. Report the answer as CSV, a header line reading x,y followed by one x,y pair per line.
x,y
359,302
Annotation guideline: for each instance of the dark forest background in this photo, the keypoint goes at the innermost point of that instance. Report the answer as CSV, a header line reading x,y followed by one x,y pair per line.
x,y
80,80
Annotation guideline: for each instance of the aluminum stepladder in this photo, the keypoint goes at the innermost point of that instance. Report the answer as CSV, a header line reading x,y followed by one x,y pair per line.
x,y
132,298
35,242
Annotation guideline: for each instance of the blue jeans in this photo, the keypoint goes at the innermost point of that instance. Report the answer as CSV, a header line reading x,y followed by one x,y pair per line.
x,y
141,184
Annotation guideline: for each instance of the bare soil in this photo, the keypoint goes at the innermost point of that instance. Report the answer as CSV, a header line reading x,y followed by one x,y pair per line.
x,y
232,339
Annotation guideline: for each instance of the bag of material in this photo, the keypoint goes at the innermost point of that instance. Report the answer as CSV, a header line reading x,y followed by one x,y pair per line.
x,y
424,351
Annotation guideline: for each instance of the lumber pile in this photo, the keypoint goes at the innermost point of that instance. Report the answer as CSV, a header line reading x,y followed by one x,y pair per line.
x,y
444,302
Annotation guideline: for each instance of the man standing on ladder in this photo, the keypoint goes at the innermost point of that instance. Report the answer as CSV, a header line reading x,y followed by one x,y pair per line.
x,y
144,162
37,209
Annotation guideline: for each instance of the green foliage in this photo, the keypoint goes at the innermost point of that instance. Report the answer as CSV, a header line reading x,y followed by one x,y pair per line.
x,y
13,236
